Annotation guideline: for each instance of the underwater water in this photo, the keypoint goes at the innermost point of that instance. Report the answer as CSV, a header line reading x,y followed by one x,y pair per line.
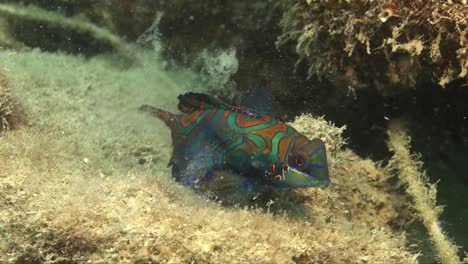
x,y
86,176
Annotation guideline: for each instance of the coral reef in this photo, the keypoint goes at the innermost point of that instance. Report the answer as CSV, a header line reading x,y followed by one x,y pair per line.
x,y
73,189
417,185
384,43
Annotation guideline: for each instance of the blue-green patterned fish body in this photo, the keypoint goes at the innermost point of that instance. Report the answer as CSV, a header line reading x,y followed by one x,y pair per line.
x,y
225,148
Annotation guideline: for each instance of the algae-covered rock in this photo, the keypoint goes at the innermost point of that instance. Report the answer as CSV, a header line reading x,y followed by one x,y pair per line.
x,y
318,127
72,188
7,105
385,43
360,191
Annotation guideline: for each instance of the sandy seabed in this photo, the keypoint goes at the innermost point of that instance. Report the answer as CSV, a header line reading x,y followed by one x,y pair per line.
x,y
83,178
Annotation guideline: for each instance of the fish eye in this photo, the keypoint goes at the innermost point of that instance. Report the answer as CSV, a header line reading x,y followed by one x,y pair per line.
x,y
300,162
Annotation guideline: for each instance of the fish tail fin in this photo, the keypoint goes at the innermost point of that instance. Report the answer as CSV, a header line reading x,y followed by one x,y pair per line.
x,y
190,102
167,117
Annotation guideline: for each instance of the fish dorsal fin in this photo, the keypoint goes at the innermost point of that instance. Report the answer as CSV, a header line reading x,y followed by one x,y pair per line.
x,y
190,102
259,100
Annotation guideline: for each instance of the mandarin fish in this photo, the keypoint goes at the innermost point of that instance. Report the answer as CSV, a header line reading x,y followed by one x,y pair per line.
x,y
223,149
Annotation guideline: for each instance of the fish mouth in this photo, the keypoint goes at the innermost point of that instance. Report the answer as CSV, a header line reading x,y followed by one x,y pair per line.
x,y
299,178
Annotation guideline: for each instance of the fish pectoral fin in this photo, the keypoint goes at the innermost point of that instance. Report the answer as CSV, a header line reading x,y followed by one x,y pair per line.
x,y
225,182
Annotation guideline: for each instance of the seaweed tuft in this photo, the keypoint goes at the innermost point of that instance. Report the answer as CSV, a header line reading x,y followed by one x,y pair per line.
x,y
318,127
8,115
389,43
412,175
